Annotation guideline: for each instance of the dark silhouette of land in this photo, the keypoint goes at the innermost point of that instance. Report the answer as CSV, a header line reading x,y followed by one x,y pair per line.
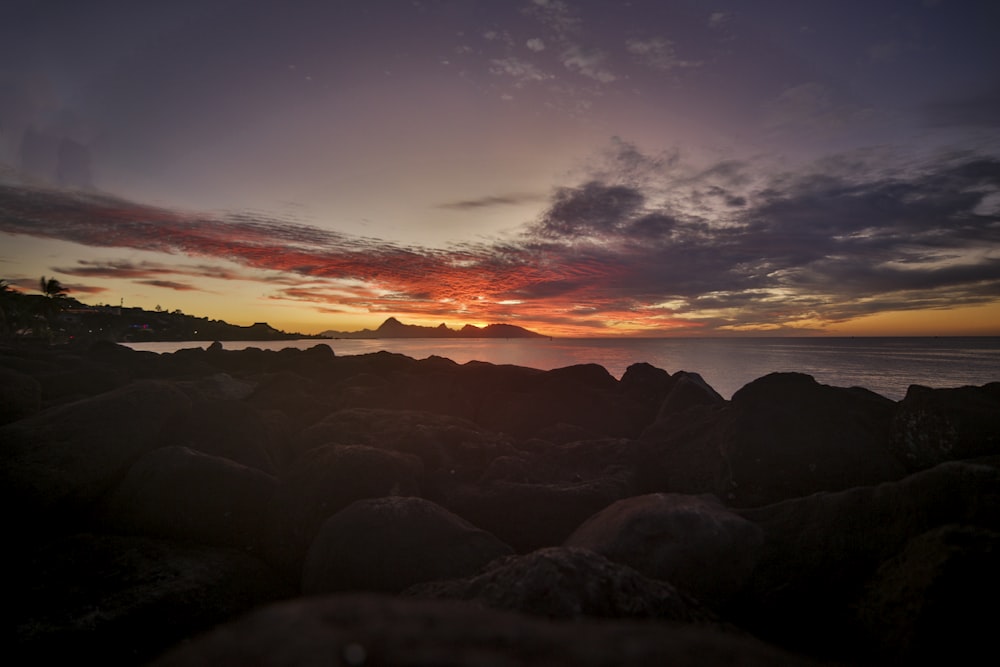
x,y
393,328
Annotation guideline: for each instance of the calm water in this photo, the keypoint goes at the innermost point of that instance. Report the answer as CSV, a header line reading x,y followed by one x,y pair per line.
x,y
884,365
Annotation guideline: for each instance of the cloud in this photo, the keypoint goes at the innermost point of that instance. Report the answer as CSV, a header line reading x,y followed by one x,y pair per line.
x,y
169,284
588,62
654,246
717,20
535,44
492,201
520,70
657,53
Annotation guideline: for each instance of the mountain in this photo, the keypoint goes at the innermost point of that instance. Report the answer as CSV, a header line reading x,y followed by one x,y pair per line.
x,y
393,328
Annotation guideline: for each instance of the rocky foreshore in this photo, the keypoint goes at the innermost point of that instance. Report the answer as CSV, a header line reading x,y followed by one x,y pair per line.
x,y
214,507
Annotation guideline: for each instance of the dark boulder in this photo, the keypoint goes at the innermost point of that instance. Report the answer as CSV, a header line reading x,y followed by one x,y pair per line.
x,y
178,493
368,629
55,464
388,544
102,599
693,542
928,603
529,516
781,436
820,550
450,448
20,395
230,429
931,426
324,481
688,390
562,582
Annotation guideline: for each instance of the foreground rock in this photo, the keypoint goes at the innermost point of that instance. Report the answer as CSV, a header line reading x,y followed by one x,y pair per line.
x,y
123,600
820,552
693,542
561,582
781,436
361,630
150,497
388,544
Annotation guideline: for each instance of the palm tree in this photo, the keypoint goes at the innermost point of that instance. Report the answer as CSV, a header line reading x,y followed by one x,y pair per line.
x,y
52,288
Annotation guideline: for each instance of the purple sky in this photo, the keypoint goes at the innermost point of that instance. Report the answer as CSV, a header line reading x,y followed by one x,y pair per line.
x,y
577,167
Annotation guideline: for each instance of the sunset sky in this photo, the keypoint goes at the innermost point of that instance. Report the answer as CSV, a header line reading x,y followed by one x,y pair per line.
x,y
654,168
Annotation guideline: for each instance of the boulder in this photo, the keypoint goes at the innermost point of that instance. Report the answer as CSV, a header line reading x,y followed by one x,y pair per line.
x,y
693,542
368,629
178,493
55,464
931,426
781,436
819,551
227,428
926,604
324,481
20,395
563,582
103,599
388,544
529,516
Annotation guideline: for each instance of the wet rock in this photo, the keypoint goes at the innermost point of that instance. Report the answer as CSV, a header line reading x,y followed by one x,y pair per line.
x,y
562,582
389,544
693,542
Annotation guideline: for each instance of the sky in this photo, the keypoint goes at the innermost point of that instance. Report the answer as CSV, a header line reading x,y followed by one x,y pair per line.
x,y
579,168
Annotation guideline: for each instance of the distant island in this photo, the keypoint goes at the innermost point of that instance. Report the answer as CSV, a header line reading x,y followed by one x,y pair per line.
x,y
393,328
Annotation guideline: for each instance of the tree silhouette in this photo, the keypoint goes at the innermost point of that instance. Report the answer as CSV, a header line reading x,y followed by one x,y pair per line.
x,y
52,288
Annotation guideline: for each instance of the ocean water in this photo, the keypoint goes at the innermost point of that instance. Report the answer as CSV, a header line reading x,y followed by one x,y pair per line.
x,y
886,366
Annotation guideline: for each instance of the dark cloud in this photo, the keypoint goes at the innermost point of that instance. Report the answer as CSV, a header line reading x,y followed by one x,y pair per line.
x,y
492,201
170,284
592,209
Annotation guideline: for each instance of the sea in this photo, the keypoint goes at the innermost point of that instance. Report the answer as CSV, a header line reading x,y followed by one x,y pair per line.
x,y
887,366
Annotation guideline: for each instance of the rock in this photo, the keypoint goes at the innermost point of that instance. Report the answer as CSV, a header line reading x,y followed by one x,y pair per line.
x,y
687,391
359,630
820,550
562,582
781,436
932,426
230,429
388,544
926,604
178,493
692,542
20,395
529,516
451,445
123,600
327,479
55,464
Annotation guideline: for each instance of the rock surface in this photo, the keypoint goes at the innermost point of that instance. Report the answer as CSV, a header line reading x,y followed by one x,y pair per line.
x,y
148,498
